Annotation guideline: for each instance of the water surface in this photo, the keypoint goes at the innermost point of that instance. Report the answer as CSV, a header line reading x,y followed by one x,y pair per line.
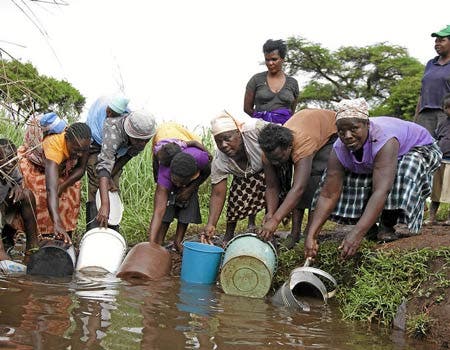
x,y
103,312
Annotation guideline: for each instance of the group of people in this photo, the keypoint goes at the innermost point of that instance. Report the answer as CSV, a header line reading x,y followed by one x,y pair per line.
x,y
371,172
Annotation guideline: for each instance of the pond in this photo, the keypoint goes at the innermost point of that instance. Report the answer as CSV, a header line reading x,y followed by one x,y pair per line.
x,y
104,312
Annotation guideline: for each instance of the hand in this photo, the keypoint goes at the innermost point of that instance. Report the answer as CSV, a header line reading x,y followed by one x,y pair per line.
x,y
311,247
350,244
16,193
103,216
268,229
207,233
61,234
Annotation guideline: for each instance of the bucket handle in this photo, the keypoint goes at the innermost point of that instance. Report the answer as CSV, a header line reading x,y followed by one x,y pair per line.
x,y
323,274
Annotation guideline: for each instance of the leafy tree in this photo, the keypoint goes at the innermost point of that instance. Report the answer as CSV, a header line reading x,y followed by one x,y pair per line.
x,y
23,91
385,75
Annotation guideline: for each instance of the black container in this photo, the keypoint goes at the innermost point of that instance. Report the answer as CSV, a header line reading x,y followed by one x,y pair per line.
x,y
54,258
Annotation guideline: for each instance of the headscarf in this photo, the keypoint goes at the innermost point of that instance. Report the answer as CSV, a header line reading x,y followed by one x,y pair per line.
x,y
119,104
224,122
356,108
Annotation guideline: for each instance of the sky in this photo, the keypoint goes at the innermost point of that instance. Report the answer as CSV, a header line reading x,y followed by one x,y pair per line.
x,y
186,60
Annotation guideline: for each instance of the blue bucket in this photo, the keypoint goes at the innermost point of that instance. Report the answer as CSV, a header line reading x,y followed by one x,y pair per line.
x,y
200,263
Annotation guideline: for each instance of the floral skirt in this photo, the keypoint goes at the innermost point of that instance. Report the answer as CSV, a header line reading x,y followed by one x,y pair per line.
x,y
69,201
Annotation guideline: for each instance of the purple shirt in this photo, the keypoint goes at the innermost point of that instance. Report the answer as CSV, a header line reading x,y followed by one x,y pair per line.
x,y
200,156
382,129
435,84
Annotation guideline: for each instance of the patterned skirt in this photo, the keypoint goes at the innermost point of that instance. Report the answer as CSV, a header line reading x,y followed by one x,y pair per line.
x,y
246,197
412,185
69,201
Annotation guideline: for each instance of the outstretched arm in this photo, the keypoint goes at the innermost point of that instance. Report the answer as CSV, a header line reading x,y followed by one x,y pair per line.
x,y
218,194
51,182
328,198
159,208
76,174
302,172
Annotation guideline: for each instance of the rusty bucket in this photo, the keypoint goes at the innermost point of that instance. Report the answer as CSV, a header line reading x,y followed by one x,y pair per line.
x,y
147,261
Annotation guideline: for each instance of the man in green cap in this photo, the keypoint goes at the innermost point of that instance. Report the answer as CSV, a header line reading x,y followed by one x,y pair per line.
x,y
435,83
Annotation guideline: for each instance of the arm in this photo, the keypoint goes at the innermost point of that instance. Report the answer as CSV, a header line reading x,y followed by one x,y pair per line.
x,y
416,114
51,183
384,171
76,174
249,102
106,165
218,194
159,208
272,188
302,172
328,198
120,163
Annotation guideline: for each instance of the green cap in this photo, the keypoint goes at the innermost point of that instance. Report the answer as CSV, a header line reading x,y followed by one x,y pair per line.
x,y
443,32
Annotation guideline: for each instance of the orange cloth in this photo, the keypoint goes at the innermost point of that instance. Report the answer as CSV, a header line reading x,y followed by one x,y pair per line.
x,y
55,147
69,201
311,128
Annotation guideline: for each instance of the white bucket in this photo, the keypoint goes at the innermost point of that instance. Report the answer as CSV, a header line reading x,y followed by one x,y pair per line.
x,y
101,250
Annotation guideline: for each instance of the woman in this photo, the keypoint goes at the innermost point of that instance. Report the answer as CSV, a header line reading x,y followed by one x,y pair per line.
x,y
54,176
435,83
180,165
238,154
272,96
380,169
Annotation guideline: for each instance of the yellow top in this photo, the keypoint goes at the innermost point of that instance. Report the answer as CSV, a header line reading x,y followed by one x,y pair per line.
x,y
172,130
55,147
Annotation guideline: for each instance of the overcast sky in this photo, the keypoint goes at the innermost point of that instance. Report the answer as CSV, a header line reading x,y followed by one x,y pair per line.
x,y
186,60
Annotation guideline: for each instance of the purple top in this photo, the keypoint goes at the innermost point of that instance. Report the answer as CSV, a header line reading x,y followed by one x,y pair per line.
x,y
435,84
164,172
382,129
278,116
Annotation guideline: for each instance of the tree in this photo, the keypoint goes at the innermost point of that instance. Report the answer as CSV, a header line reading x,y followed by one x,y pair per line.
x,y
385,75
23,92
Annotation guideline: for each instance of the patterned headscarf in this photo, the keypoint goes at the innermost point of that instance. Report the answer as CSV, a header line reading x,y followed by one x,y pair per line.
x,y
224,122
356,108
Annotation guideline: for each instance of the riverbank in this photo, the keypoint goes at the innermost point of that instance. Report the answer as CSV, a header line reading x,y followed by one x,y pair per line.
x,y
403,284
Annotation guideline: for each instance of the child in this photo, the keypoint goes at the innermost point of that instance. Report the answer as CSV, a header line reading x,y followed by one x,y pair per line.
x,y
14,199
441,186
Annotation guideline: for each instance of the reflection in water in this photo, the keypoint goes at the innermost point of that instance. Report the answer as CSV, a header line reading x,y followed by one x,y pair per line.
x,y
103,312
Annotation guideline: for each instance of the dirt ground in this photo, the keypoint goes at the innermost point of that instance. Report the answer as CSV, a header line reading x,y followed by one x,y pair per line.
x,y
433,237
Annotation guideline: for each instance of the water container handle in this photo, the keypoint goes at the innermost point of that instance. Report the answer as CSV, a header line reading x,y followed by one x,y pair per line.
x,y
307,262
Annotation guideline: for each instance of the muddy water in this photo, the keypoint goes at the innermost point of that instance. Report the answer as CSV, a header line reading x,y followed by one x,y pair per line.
x,y
89,312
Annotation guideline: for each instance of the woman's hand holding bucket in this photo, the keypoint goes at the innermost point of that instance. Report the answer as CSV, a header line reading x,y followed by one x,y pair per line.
x,y
207,234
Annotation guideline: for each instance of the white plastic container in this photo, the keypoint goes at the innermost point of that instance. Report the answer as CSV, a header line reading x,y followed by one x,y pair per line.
x,y
115,207
101,250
